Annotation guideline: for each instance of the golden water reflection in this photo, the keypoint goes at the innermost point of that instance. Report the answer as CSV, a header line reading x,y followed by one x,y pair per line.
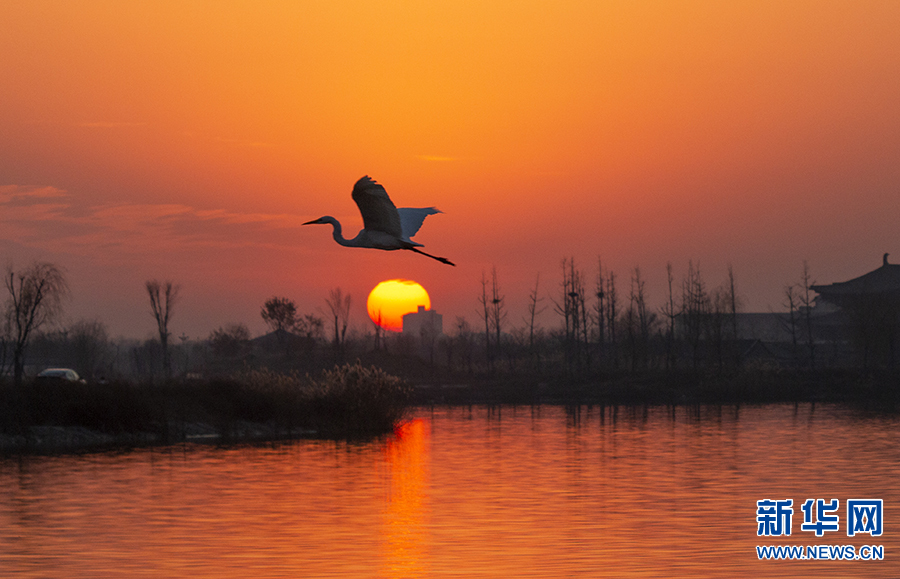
x,y
405,531
460,492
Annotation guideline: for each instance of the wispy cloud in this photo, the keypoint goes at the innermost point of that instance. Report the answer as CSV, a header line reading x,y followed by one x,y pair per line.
x,y
19,193
437,158
51,219
110,124
279,220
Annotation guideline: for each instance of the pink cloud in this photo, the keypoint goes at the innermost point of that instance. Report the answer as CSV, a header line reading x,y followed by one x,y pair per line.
x,y
50,219
14,193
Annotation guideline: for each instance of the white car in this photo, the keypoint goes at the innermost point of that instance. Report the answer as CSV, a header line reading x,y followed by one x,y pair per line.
x,y
59,375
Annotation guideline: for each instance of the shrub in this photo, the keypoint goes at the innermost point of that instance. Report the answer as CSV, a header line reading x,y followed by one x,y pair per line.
x,y
355,399
350,399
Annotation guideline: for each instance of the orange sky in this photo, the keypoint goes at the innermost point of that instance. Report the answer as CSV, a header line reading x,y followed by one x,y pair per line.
x,y
188,140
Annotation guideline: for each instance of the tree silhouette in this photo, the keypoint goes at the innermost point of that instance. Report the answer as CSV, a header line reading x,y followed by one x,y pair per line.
x,y
807,301
35,298
162,300
339,306
485,314
230,342
533,311
279,314
671,312
497,311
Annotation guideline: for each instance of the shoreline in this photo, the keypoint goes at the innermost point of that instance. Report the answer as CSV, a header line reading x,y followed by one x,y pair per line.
x,y
227,412
667,388
58,440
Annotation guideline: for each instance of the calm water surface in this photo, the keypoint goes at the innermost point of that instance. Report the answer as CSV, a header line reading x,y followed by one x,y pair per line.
x,y
460,492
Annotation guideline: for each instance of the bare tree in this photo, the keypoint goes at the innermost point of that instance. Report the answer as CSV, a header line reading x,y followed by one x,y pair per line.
x,y
792,303
670,311
533,311
585,320
716,325
163,297
485,314
498,311
643,320
612,314
696,306
733,304
566,308
493,312
280,314
600,311
465,344
806,301
339,306
379,330
35,298
574,312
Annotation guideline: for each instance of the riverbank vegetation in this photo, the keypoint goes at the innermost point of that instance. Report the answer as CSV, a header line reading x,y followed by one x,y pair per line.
x,y
345,402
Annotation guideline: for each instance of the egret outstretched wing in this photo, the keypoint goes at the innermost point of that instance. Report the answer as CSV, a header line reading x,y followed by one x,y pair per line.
x,y
377,209
411,219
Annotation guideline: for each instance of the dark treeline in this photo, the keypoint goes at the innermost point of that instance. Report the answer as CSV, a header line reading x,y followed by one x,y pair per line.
x,y
612,344
607,326
609,341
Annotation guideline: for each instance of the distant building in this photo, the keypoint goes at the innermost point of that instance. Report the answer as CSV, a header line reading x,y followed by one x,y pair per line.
x,y
423,323
864,313
880,284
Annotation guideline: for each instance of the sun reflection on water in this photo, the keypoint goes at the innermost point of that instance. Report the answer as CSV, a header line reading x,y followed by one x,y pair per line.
x,y
404,518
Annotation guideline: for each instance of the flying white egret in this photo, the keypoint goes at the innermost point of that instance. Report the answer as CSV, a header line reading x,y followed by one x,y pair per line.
x,y
384,226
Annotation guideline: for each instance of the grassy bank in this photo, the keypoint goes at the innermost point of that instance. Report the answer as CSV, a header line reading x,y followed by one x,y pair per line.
x,y
348,401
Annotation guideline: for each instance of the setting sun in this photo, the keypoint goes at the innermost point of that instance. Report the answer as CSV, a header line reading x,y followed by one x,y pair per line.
x,y
391,299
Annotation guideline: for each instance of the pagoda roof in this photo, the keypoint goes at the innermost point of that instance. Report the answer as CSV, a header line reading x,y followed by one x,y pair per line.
x,y
885,279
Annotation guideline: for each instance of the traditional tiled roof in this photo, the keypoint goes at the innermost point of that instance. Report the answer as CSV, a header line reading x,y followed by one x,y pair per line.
x,y
885,279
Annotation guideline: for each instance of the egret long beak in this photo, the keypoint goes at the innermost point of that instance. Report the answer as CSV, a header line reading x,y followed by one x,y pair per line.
x,y
314,221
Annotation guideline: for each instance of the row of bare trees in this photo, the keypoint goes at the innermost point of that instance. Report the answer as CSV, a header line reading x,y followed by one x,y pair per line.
x,y
604,329
600,329
697,327
35,299
493,314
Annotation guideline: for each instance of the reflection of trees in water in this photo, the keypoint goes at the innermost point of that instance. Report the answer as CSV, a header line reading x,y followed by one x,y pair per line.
x,y
404,531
